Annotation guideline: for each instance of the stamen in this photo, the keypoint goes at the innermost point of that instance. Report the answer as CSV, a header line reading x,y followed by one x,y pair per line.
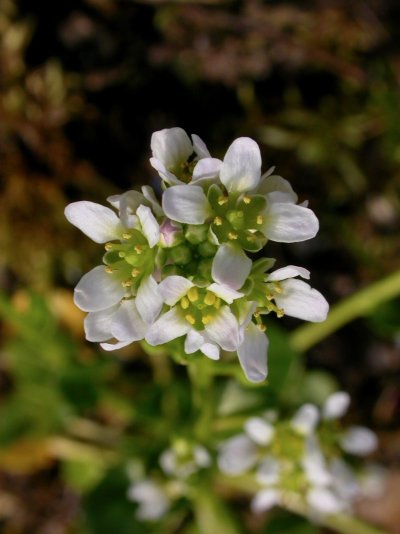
x,y
135,272
185,303
218,221
193,294
280,312
246,199
260,219
126,235
232,235
222,200
109,269
138,249
190,319
262,327
127,283
206,319
108,246
269,296
209,299
217,303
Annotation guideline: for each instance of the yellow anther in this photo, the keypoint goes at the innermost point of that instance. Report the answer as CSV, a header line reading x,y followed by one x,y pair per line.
x,y
232,235
190,319
108,246
277,288
256,314
246,199
280,313
193,294
126,235
260,219
206,319
127,283
185,303
217,303
209,299
218,221
222,200
121,254
138,249
109,269
269,296
262,327
135,272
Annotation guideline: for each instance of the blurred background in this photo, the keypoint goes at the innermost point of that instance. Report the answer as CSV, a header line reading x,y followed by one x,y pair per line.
x,y
84,83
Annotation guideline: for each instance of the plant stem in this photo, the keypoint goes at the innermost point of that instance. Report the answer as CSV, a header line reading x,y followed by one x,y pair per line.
x,y
358,305
202,381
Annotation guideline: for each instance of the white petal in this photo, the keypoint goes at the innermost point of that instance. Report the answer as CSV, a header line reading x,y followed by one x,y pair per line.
x,y
290,271
169,326
305,419
173,288
194,340
224,329
149,300
186,204
98,324
324,501
264,500
336,405
150,196
200,147
97,290
127,325
259,430
210,350
150,226
153,502
226,293
278,189
241,168
289,223
115,346
237,455
300,300
171,146
167,176
231,266
344,480
268,471
128,204
359,440
201,456
252,354
206,169
98,222
314,464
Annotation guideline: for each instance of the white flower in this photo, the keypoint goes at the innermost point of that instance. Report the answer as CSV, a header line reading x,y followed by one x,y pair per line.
x,y
153,502
295,297
325,501
265,499
184,463
172,150
122,296
203,314
259,430
276,216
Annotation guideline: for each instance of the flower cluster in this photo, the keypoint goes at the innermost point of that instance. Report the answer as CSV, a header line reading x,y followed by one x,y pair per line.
x,y
183,267
300,458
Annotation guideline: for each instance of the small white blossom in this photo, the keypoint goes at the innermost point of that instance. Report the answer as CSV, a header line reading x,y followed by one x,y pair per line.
x,y
153,502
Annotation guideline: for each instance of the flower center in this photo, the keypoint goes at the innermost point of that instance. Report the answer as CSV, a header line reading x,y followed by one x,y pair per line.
x,y
199,307
129,260
238,217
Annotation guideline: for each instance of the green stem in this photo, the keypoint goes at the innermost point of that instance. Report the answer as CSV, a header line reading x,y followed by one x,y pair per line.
x,y
358,305
202,381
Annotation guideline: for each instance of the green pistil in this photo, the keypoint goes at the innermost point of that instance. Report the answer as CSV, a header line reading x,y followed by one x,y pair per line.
x,y
199,307
238,218
184,171
129,260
